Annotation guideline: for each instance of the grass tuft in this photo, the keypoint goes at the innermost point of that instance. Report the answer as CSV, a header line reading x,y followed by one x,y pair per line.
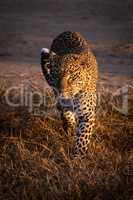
x,y
35,156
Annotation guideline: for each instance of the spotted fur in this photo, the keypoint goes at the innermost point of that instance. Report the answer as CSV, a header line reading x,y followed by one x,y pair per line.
x,y
71,68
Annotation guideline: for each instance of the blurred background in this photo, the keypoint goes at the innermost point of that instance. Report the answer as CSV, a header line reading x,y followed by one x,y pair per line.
x,y
27,26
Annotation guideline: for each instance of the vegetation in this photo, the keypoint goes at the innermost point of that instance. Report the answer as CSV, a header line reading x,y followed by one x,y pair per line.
x,y
35,159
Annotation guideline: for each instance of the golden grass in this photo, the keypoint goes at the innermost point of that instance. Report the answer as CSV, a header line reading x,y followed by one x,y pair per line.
x,y
35,159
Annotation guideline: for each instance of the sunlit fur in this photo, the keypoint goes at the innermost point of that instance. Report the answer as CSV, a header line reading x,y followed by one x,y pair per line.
x,y
72,70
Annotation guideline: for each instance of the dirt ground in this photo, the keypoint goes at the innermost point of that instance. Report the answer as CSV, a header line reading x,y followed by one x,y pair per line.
x,y
27,26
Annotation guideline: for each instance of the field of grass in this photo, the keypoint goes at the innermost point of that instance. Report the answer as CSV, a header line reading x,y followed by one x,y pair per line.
x,y
35,153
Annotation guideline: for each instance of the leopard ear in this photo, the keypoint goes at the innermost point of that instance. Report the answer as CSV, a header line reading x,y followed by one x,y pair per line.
x,y
45,51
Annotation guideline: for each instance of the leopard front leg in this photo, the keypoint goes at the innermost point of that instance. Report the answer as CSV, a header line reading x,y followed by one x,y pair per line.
x,y
85,112
66,108
69,122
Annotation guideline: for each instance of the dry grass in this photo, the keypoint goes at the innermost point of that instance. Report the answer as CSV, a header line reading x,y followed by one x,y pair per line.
x,y
35,159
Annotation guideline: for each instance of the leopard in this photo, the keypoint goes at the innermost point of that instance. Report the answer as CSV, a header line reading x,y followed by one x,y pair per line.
x,y
71,69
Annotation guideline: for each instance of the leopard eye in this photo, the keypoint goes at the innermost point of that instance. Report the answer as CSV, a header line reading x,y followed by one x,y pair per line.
x,y
72,78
